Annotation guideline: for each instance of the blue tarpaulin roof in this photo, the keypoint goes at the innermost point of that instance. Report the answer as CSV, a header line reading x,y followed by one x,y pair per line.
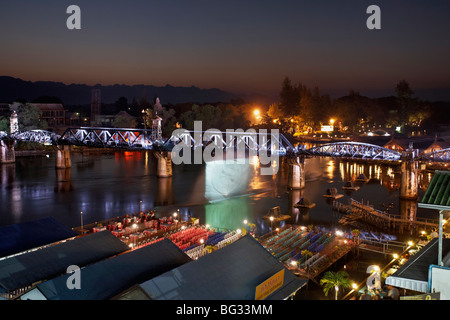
x,y
28,235
25,269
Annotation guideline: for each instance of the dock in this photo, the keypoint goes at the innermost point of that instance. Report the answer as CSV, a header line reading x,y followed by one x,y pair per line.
x,y
306,252
359,212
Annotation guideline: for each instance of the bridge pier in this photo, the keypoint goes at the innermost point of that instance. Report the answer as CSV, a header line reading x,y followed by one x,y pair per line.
x,y
7,152
296,180
164,167
8,174
409,185
63,157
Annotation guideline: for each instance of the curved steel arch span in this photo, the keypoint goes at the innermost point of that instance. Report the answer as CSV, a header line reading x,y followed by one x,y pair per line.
x,y
354,150
40,136
437,156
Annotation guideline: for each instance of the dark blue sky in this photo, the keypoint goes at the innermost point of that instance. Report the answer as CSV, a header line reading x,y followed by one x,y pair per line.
x,y
240,46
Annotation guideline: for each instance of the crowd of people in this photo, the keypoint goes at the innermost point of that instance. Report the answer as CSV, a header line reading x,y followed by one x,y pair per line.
x,y
140,219
386,293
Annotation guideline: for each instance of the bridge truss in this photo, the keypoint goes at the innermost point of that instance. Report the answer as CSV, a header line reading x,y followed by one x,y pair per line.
x,y
241,140
354,150
437,156
139,139
108,137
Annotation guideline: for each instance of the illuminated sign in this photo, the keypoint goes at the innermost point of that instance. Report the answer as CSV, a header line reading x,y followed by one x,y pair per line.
x,y
327,128
266,288
428,296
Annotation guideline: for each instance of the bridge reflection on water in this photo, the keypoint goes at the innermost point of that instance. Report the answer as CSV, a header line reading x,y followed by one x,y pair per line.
x,y
103,186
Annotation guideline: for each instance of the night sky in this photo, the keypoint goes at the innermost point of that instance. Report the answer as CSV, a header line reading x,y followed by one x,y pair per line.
x,y
240,46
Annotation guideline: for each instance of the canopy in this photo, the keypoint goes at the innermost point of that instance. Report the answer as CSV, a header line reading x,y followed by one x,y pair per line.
x,y
413,275
106,279
231,273
25,269
437,195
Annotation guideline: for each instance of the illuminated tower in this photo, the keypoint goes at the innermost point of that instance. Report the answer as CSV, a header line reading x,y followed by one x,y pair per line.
x,y
14,123
95,106
156,128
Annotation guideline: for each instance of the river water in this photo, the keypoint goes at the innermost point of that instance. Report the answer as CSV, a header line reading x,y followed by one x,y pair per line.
x,y
103,186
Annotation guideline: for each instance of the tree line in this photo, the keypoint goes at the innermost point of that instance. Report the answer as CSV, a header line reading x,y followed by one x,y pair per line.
x,y
299,107
309,108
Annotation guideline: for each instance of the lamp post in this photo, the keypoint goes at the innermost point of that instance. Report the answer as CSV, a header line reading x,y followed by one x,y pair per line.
x,y
144,116
135,227
81,217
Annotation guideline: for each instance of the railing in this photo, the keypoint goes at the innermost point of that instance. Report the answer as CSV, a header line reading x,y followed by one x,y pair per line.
x,y
392,218
380,246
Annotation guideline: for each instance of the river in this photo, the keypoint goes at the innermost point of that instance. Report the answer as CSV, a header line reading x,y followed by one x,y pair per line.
x,y
103,186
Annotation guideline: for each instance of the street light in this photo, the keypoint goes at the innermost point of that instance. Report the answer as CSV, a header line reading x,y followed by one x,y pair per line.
x,y
257,114
81,214
144,117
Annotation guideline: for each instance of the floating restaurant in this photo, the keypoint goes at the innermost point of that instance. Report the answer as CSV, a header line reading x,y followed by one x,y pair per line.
x,y
38,269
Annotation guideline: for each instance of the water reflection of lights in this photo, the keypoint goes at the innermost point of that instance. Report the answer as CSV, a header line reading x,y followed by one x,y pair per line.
x,y
224,179
146,163
255,162
330,169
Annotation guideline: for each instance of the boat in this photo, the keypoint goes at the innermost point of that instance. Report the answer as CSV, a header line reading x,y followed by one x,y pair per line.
x,y
362,178
350,186
275,215
333,194
304,203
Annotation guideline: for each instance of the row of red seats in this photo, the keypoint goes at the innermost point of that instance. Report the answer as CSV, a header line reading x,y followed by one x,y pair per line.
x,y
186,234
190,237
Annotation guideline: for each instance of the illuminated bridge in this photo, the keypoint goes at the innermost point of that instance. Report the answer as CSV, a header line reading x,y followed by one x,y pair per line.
x,y
354,150
147,139
259,143
139,139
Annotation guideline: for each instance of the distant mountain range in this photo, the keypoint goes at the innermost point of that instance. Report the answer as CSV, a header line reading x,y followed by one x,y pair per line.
x,y
12,89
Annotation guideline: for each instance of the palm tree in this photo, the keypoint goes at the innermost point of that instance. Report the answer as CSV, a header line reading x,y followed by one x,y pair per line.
x,y
335,280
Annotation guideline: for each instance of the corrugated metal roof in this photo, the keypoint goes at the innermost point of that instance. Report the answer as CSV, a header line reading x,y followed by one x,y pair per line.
x,y
108,278
231,273
413,274
437,195
22,270
28,235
